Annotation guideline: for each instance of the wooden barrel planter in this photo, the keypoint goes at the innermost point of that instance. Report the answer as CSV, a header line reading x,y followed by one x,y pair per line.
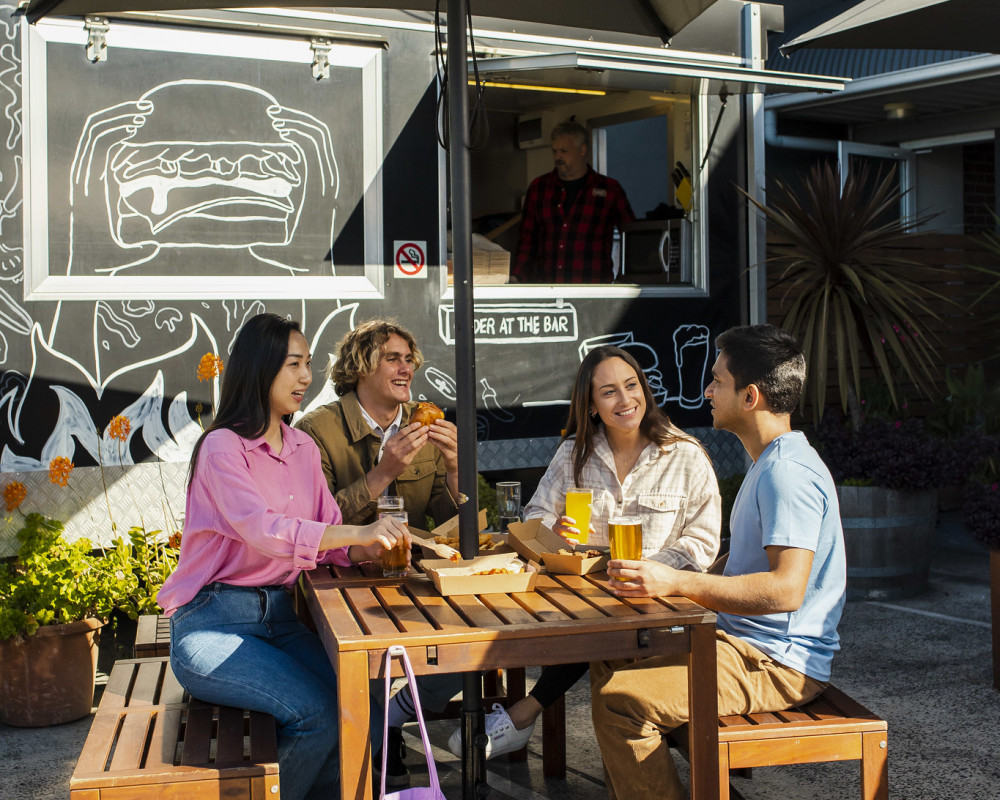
x,y
888,536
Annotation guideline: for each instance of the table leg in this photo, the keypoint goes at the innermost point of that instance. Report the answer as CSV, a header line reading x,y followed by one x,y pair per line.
x,y
704,709
355,740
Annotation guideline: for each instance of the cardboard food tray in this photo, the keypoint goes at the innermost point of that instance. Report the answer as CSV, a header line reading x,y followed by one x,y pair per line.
x,y
451,578
449,529
535,542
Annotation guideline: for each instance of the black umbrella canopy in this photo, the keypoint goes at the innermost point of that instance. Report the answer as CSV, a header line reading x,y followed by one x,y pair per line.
x,y
660,18
969,25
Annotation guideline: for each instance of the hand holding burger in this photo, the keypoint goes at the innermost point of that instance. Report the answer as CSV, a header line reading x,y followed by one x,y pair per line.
x,y
425,413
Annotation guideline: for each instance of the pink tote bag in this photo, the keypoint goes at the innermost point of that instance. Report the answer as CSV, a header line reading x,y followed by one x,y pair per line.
x,y
432,792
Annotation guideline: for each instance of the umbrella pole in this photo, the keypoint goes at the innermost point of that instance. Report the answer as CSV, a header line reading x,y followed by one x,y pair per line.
x,y
474,784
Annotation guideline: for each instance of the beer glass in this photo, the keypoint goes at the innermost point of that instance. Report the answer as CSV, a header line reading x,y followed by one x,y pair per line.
x,y
508,503
625,535
578,507
394,560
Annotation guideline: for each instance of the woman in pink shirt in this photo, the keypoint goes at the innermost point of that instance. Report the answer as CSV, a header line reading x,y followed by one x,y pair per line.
x,y
259,511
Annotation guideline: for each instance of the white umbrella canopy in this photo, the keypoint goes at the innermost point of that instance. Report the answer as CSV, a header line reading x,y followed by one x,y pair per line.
x,y
969,25
660,18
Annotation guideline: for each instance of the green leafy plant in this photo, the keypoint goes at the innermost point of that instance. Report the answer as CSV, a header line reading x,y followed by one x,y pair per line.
x,y
848,292
52,581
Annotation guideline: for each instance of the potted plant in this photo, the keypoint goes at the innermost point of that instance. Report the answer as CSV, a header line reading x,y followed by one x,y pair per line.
x,y
53,598
849,298
887,473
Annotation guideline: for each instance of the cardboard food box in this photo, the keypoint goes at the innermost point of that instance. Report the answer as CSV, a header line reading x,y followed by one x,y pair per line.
x,y
536,542
461,578
449,529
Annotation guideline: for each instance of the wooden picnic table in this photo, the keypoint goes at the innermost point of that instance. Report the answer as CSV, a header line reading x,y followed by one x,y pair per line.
x,y
565,619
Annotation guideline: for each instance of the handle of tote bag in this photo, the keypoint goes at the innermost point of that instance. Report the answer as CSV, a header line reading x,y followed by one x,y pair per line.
x,y
399,651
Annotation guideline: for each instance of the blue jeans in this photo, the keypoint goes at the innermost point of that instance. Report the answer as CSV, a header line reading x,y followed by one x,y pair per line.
x,y
243,646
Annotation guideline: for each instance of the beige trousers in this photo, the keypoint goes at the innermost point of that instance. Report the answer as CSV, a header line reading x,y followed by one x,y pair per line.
x,y
634,704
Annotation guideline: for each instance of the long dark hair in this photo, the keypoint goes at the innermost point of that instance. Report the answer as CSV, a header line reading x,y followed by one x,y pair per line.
x,y
254,362
580,426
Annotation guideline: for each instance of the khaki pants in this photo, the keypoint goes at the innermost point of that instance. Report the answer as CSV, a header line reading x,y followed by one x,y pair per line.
x,y
634,704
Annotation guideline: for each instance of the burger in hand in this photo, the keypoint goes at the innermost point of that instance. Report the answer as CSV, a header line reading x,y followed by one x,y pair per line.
x,y
426,413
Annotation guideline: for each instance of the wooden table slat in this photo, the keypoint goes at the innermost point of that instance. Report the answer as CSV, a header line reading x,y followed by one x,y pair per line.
x,y
369,612
539,606
472,608
435,606
399,605
566,600
595,594
229,739
508,609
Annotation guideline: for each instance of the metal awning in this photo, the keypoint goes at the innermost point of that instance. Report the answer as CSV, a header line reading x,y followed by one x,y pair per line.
x,y
953,98
661,73
969,25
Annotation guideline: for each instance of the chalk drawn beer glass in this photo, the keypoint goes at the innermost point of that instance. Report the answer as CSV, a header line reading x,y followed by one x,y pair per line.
x,y
625,535
394,560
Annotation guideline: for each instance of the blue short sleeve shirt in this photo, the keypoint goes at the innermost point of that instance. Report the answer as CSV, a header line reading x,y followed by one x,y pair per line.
x,y
788,499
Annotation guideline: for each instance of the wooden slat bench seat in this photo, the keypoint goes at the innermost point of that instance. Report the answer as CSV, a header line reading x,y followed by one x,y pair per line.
x,y
152,636
150,739
833,727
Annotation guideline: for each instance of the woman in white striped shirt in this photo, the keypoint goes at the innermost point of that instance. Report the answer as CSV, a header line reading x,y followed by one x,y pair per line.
x,y
623,448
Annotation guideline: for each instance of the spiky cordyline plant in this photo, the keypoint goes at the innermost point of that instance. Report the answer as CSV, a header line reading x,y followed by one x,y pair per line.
x,y
847,288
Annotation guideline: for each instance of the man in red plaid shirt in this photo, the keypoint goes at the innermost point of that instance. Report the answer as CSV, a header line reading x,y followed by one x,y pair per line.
x,y
569,217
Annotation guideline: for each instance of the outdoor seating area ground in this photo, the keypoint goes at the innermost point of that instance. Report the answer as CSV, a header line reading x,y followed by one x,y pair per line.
x,y
923,664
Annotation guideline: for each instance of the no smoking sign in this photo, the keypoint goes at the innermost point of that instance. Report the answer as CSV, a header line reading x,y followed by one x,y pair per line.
x,y
410,259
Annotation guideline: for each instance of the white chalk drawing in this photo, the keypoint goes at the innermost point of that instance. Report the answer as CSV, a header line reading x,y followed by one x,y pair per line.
x,y
75,426
492,405
165,176
11,255
443,382
685,382
515,323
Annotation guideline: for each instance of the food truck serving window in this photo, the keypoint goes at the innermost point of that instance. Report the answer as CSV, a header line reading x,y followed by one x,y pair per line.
x,y
643,147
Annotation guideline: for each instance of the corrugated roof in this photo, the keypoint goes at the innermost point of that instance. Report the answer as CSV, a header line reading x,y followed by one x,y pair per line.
x,y
848,63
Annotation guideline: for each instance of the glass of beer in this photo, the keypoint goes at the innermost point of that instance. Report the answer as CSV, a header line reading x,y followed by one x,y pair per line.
x,y
394,560
625,535
578,508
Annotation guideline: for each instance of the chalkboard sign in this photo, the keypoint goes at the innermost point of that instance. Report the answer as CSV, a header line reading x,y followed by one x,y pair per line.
x,y
202,156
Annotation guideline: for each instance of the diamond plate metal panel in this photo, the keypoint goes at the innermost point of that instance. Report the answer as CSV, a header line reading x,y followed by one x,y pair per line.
x,y
149,493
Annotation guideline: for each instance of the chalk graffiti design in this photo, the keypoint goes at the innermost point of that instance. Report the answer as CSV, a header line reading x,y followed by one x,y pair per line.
x,y
685,383
163,177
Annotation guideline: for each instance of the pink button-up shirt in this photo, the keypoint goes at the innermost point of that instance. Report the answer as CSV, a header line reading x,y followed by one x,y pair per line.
x,y
253,517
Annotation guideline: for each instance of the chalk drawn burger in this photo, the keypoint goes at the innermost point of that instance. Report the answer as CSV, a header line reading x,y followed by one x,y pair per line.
x,y
212,163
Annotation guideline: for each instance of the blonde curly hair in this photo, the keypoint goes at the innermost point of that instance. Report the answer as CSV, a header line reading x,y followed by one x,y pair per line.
x,y
360,352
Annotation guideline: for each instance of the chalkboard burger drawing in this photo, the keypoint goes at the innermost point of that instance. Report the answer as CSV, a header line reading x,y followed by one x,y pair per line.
x,y
201,164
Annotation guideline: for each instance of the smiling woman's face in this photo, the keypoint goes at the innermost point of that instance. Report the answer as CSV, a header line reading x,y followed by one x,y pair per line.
x,y
616,395
291,382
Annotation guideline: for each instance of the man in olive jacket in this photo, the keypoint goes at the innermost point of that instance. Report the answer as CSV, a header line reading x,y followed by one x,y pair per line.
x,y
367,444
368,448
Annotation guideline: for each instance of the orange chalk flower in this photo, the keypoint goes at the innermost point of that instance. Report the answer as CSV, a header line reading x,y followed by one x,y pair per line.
x,y
14,494
59,469
119,428
174,542
209,367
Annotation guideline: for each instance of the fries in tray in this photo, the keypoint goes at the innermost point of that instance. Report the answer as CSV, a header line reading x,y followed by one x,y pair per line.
x,y
580,553
486,541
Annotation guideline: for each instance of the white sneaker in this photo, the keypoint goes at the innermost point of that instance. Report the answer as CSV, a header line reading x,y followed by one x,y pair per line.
x,y
502,736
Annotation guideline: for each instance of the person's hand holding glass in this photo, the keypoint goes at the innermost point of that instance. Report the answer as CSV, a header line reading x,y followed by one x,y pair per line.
x,y
574,526
395,560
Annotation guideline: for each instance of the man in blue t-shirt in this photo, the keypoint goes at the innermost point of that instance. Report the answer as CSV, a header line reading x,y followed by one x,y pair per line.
x,y
779,592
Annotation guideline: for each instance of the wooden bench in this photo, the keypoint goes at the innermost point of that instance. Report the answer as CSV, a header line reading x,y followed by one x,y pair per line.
x,y
152,636
833,727
150,739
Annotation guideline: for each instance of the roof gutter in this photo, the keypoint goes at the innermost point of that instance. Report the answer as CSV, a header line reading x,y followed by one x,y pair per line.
x,y
774,139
